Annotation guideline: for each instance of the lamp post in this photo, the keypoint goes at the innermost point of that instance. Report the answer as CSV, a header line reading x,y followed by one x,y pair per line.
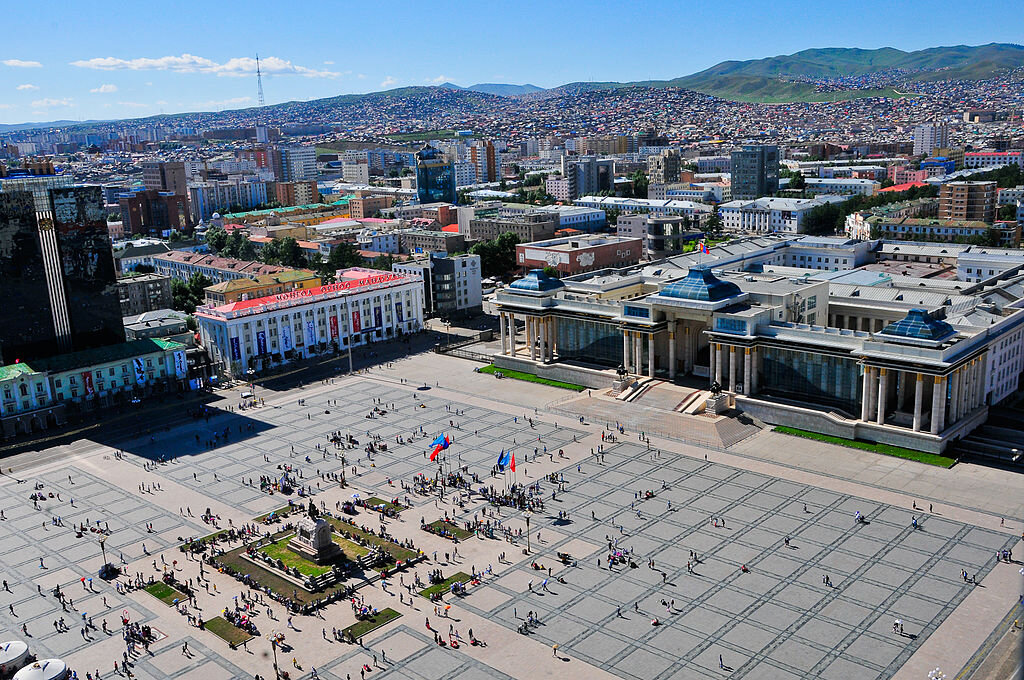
x,y
348,325
273,646
527,515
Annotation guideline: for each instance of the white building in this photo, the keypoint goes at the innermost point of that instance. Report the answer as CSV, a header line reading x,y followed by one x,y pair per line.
x,y
363,306
993,159
864,187
929,137
699,211
379,241
465,173
575,217
451,284
557,187
767,215
355,172
1010,196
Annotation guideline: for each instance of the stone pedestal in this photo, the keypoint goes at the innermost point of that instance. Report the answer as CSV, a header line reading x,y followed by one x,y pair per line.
x,y
716,404
313,541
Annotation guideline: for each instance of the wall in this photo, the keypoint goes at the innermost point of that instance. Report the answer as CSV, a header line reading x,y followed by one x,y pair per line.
x,y
571,374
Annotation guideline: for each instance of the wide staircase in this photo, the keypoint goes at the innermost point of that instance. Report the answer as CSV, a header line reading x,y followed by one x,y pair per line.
x,y
1000,441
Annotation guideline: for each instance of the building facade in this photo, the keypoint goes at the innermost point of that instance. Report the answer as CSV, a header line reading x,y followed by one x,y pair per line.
x,y
968,201
451,284
435,176
155,213
362,307
755,171
578,254
144,293
264,285
930,136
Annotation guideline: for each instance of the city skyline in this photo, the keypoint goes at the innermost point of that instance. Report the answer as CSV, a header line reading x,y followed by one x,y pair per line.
x,y
197,62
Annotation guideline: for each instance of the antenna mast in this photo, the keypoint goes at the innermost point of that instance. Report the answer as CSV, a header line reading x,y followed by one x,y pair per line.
x,y
259,83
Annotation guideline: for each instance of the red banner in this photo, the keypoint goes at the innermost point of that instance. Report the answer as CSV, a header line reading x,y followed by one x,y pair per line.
x,y
334,327
87,382
355,321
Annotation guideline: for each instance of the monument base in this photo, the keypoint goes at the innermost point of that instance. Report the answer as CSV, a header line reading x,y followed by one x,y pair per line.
x,y
716,404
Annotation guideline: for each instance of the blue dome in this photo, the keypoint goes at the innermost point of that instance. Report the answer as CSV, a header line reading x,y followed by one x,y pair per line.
x,y
919,325
700,284
537,282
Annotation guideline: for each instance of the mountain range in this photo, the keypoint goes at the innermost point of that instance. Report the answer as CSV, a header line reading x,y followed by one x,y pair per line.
x,y
850,73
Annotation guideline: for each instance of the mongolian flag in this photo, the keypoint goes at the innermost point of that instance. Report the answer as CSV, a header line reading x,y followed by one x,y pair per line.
x,y
439,445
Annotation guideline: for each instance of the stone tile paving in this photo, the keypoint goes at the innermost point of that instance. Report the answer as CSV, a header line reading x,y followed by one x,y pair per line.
x,y
777,621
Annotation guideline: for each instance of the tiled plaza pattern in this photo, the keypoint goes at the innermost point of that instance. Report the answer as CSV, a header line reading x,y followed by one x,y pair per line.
x,y
778,621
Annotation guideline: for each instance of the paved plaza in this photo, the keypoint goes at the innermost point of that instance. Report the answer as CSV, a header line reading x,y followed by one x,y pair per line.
x,y
779,619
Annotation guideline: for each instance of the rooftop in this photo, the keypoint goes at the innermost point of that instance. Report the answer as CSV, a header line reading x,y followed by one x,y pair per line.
x,y
108,354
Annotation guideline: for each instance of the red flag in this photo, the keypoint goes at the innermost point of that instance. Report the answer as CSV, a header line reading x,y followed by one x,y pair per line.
x,y
436,450
512,465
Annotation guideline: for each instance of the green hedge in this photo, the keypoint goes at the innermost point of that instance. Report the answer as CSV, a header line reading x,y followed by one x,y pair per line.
x,y
445,585
165,593
530,377
361,628
886,449
227,631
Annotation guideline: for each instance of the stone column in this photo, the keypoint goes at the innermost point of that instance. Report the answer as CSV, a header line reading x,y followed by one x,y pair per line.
x,y
718,362
971,382
732,367
938,404
672,350
746,370
638,353
753,371
554,335
883,393
650,354
625,351
918,394
865,399
954,397
511,334
501,320
531,336
545,344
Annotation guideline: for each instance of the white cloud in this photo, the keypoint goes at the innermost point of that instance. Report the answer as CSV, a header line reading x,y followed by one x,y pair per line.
x,y
361,76
190,63
388,82
328,62
6,106
49,103
20,63
28,86
104,89
224,103
440,79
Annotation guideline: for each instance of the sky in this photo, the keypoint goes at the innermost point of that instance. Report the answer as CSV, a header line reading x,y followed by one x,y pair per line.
x,y
78,60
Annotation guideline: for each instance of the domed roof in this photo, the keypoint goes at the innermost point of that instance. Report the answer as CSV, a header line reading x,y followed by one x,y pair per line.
x,y
215,216
919,325
44,669
537,282
700,284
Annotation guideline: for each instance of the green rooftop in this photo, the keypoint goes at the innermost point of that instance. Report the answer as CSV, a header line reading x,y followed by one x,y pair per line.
x,y
14,370
102,355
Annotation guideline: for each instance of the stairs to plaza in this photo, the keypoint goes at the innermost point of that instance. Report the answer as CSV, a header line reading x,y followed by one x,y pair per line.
x,y
993,444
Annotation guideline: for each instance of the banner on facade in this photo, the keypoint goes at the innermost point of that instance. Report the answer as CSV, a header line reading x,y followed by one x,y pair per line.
x,y
334,328
356,327
378,317
261,342
180,364
87,383
286,337
398,312
236,350
140,371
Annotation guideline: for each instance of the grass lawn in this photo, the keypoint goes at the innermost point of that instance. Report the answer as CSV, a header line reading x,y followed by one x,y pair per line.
x,y
373,502
396,551
164,592
262,517
421,136
227,631
278,550
886,449
455,529
352,550
530,377
363,627
443,586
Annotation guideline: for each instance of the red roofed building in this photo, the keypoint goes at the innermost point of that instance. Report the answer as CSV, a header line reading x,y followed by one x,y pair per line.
x,y
361,307
896,188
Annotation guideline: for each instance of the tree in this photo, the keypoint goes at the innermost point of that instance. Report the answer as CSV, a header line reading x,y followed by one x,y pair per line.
x,y
498,256
1007,212
797,182
291,254
175,236
640,183
216,238
186,296
382,262
714,223
143,269
552,272
247,251
612,216
270,253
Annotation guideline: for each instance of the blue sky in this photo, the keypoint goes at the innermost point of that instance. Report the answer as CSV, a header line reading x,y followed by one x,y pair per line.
x,y
72,59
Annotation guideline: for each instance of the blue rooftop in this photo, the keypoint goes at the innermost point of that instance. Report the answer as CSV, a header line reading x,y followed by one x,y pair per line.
x,y
537,282
700,284
919,325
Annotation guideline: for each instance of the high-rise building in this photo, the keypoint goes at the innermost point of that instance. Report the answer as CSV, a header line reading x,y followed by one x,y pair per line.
x,y
973,201
755,171
155,213
293,163
486,160
58,273
294,193
435,176
165,176
929,137
588,175
664,167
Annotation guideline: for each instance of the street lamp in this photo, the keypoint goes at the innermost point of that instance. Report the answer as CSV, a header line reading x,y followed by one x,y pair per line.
x,y
527,515
273,645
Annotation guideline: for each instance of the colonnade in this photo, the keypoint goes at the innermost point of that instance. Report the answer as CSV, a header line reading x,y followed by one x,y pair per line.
x,y
541,336
728,360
